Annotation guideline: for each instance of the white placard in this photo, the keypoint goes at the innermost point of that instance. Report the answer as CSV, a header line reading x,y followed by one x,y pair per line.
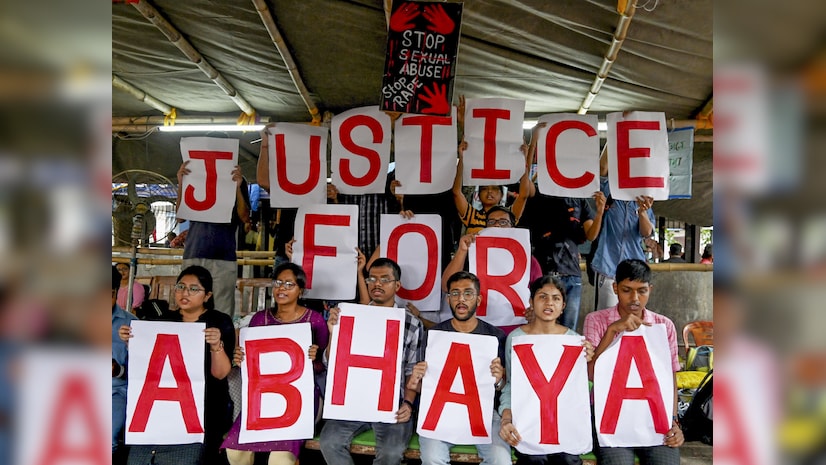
x,y
361,150
166,361
298,165
493,131
549,394
425,153
456,404
680,156
277,383
634,389
501,258
637,155
326,237
365,367
415,244
567,155
64,417
208,191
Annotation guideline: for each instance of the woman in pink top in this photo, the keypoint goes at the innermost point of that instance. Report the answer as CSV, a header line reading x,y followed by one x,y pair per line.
x,y
138,292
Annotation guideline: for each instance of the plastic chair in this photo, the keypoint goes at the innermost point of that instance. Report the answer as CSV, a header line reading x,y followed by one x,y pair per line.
x,y
702,332
255,293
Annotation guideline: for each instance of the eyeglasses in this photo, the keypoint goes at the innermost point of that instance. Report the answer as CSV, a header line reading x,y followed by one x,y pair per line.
x,y
191,290
382,281
502,222
288,285
467,294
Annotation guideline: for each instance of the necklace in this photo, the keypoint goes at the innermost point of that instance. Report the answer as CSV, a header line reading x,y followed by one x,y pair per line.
x,y
273,312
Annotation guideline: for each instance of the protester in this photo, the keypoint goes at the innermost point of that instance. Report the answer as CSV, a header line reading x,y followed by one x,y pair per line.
x,y
633,289
289,285
120,356
138,291
391,438
548,302
463,297
213,245
194,296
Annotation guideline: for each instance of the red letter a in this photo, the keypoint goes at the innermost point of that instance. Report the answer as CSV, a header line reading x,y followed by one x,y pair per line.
x,y
633,348
75,396
548,390
458,359
385,363
167,346
277,384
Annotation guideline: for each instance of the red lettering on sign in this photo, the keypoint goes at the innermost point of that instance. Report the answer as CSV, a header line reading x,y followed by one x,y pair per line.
x,y
547,390
273,383
386,363
313,177
504,284
458,360
633,349
311,250
625,153
432,248
75,395
167,347
551,159
488,170
210,157
426,143
737,449
345,136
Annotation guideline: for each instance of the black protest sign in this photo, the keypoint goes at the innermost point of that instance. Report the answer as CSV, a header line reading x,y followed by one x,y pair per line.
x,y
422,43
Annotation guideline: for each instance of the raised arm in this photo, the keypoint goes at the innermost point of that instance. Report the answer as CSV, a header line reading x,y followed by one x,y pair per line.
x,y
458,196
458,261
262,171
592,227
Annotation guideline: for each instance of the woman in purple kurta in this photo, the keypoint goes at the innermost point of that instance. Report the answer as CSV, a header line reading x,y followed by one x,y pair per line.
x,y
290,281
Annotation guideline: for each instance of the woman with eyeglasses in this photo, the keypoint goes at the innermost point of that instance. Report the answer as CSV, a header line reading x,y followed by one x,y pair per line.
x,y
193,294
288,287
548,300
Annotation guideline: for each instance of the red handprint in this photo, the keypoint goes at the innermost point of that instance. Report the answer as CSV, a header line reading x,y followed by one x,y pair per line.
x,y
403,17
440,22
437,99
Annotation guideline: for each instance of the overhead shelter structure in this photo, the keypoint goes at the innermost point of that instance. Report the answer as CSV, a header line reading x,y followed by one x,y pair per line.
x,y
291,61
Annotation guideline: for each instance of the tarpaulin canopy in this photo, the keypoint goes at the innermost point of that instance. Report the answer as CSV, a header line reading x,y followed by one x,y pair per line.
x,y
548,53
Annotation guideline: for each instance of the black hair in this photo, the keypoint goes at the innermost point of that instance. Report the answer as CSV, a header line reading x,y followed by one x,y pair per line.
x,y
300,275
204,277
675,249
552,280
500,187
116,277
497,208
708,251
386,262
460,275
633,269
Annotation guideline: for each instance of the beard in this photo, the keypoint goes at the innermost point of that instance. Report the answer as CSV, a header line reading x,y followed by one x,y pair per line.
x,y
471,312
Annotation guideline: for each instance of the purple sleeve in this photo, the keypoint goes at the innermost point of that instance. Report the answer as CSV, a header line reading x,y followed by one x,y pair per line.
x,y
321,336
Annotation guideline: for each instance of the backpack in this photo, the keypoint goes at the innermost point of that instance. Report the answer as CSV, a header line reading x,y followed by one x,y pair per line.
x,y
154,310
697,420
700,359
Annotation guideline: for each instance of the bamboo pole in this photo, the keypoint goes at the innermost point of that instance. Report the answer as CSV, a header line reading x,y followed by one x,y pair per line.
x,y
280,45
178,261
173,35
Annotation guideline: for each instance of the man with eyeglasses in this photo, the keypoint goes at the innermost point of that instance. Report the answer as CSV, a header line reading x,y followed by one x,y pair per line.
x,y
497,217
464,296
382,281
